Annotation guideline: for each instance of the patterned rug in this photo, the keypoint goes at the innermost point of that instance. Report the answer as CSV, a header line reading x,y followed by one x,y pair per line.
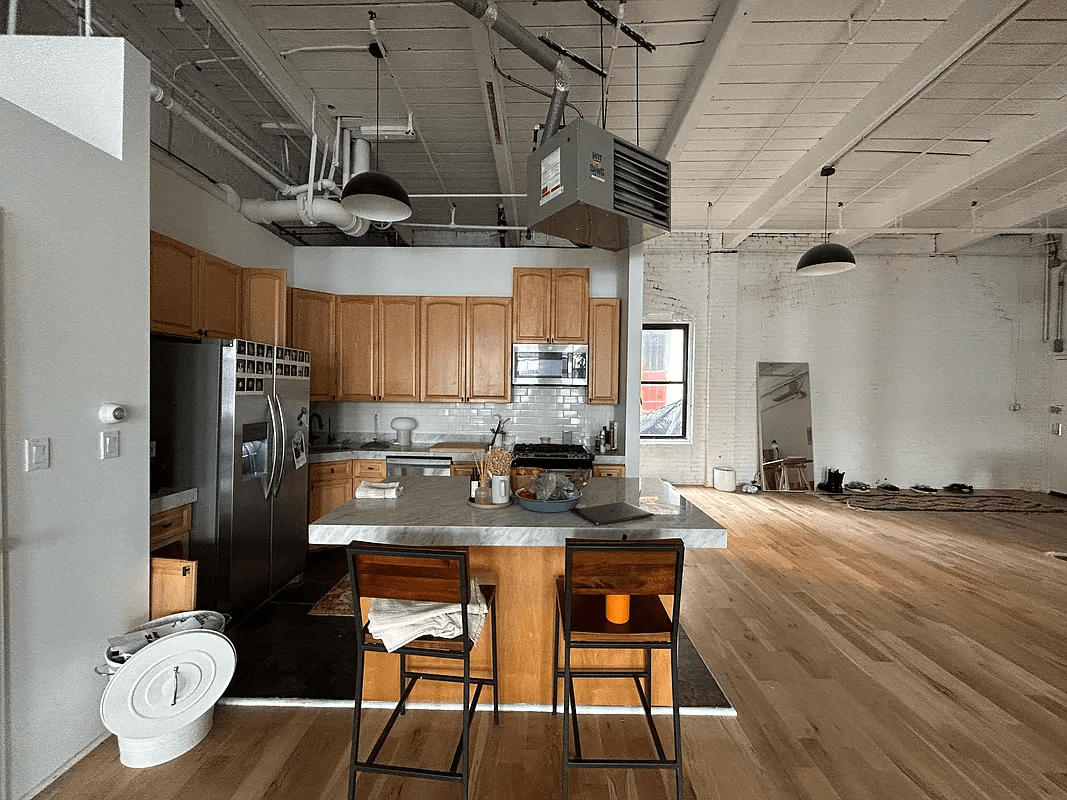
x,y
698,687
910,501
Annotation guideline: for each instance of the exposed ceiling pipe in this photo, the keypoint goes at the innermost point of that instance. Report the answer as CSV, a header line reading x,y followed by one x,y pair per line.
x,y
12,16
506,25
310,212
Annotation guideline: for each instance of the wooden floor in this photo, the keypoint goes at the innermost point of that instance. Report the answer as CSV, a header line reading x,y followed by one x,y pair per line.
x,y
868,654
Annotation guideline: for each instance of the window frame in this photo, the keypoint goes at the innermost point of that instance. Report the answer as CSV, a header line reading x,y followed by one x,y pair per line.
x,y
685,383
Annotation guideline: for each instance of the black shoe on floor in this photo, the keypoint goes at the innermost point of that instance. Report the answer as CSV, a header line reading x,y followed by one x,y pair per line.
x,y
889,487
959,488
922,488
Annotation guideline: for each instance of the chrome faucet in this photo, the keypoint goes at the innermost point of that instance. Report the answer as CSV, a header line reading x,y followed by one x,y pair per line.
x,y
311,426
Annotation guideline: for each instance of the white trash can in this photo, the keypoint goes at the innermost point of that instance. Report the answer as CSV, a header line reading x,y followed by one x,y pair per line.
x,y
724,479
160,701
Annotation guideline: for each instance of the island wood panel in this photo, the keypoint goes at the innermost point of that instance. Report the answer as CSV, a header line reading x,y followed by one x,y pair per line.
x,y
357,347
525,580
398,348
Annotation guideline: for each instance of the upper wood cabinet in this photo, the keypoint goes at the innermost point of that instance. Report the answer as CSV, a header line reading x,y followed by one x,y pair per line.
x,y
197,294
265,305
551,305
465,349
604,320
378,347
221,287
312,328
175,297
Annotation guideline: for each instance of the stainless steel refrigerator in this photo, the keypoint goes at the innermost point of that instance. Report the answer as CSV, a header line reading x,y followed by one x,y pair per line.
x,y
230,417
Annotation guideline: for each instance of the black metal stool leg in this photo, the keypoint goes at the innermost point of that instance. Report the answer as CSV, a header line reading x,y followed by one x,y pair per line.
x,y
357,711
496,679
555,659
403,669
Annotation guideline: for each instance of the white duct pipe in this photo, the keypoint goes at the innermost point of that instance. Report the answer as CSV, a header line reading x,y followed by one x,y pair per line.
x,y
360,156
346,157
12,16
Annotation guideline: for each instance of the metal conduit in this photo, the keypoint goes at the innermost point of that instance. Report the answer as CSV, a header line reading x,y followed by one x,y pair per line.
x,y
509,28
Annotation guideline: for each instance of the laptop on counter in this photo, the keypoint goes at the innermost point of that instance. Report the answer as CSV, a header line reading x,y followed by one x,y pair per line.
x,y
611,512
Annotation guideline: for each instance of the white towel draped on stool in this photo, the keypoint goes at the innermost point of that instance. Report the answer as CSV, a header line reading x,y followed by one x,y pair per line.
x,y
397,622
386,490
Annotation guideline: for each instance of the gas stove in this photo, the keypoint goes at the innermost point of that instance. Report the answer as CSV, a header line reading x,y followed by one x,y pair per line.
x,y
552,456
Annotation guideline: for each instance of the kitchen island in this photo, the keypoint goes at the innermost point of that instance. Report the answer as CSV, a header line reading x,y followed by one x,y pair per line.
x,y
524,550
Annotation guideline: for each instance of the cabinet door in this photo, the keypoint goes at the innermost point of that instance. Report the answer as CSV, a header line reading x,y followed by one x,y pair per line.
x,y
173,587
264,314
371,469
220,297
313,330
175,294
609,471
357,322
398,348
489,349
442,351
329,486
531,293
604,350
570,305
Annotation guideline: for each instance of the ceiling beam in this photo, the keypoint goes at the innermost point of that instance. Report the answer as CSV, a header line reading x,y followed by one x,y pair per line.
x,y
1014,141
246,40
721,41
953,39
485,47
1034,206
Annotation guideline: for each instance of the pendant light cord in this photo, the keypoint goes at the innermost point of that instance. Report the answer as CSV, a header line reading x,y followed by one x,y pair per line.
x,y
825,212
377,115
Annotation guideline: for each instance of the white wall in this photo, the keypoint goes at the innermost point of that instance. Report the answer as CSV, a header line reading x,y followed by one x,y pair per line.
x,y
192,216
915,359
75,293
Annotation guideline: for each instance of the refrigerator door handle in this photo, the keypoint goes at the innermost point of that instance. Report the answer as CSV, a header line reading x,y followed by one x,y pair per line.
x,y
275,448
283,438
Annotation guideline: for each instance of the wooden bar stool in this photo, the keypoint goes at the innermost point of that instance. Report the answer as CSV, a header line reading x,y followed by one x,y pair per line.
x,y
397,572
594,570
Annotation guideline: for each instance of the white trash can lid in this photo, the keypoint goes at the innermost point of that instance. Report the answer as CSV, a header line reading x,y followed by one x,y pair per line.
x,y
168,684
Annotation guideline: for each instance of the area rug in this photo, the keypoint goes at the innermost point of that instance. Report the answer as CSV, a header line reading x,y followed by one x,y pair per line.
x,y
910,501
699,689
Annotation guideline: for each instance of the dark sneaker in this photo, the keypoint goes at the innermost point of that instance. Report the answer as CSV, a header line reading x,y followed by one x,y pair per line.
x,y
959,488
888,487
922,488
858,486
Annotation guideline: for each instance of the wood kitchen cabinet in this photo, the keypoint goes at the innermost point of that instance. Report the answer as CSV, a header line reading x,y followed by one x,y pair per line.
x,y
193,293
172,586
265,305
609,471
465,349
378,347
312,324
551,305
604,350
329,486
367,469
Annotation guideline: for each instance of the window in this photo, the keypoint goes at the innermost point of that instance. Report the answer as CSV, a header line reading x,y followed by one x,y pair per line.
x,y
664,381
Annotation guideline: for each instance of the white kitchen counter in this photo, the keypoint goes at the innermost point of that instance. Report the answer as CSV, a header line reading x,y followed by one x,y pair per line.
x,y
435,511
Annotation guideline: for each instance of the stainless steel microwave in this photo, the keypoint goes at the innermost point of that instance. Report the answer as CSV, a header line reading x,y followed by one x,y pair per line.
x,y
550,365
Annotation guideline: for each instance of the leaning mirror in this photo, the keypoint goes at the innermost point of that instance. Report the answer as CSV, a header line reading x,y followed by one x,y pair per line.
x,y
783,392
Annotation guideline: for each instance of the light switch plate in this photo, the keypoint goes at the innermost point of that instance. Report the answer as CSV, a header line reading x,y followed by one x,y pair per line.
x,y
38,454
109,444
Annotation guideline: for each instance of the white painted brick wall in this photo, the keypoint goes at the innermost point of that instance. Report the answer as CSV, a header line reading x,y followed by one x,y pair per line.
x,y
915,359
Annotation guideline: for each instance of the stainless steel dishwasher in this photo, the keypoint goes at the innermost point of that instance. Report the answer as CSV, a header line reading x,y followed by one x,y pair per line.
x,y
417,465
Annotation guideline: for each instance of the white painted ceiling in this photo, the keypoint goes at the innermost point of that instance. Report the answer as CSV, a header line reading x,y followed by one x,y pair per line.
x,y
947,117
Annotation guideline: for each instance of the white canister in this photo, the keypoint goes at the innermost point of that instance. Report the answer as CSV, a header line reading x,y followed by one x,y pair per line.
x,y
501,488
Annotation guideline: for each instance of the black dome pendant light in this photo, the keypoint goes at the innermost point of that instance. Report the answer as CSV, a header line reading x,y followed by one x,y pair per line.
x,y
829,257
375,195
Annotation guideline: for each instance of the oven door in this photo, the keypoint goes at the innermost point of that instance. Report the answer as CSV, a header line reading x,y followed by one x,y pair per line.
x,y
417,465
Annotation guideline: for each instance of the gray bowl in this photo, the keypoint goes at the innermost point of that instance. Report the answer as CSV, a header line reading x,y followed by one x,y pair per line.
x,y
547,506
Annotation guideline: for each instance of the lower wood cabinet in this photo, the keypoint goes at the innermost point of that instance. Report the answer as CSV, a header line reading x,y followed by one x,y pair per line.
x,y
609,471
172,587
334,483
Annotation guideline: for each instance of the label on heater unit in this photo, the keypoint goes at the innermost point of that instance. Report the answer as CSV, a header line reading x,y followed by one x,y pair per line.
x,y
596,167
550,177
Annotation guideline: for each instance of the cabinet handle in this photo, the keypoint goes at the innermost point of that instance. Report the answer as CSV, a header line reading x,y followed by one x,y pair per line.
x,y
164,525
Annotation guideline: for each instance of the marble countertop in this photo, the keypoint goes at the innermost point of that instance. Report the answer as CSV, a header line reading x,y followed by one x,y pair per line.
x,y
347,454
435,511
170,497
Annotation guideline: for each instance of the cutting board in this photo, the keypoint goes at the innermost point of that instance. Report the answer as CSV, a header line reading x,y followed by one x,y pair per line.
x,y
459,447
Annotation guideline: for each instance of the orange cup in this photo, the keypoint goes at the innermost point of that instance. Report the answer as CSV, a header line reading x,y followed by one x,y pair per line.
x,y
617,608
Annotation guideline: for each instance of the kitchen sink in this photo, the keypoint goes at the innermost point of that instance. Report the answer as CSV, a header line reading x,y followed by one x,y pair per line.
x,y
376,446
329,448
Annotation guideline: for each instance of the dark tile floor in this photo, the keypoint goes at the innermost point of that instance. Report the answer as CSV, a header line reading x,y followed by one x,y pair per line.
x,y
283,651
